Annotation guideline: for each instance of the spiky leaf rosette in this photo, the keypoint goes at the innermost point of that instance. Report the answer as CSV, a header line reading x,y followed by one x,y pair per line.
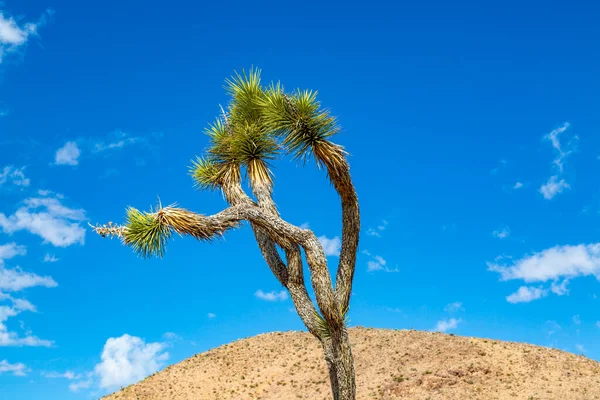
x,y
303,125
254,148
246,92
147,232
323,327
205,173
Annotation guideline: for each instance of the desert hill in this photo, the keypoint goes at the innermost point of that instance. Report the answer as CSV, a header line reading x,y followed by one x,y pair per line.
x,y
390,364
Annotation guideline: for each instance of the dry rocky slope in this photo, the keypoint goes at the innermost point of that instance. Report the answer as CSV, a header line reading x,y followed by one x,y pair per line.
x,y
390,364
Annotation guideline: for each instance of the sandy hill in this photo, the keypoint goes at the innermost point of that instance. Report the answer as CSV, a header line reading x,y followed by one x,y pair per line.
x,y
390,364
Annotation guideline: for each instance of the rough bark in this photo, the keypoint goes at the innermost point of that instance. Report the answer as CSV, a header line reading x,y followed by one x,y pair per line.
x,y
339,174
340,363
290,277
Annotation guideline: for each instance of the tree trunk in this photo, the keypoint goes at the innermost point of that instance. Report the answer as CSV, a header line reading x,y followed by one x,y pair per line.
x,y
340,363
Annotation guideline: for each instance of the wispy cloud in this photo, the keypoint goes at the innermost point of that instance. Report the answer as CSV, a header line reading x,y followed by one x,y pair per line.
x,y
9,338
14,280
556,184
211,315
74,150
553,186
171,336
580,348
69,375
517,185
77,386
553,327
271,296
559,289
332,246
116,140
15,34
50,258
446,325
48,218
10,250
377,263
576,319
553,264
394,310
378,230
454,307
17,369
501,164
525,294
501,233
13,175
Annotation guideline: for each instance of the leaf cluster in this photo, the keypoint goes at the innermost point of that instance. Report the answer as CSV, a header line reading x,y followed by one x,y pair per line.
x,y
259,124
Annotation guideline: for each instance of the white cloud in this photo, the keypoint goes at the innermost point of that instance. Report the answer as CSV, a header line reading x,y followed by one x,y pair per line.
x,y
16,176
8,338
560,289
50,258
211,315
69,375
15,34
598,324
393,309
304,225
77,386
577,319
128,359
580,348
525,294
18,369
553,264
271,296
55,223
171,336
562,152
13,280
332,246
446,325
378,263
10,250
502,233
16,279
117,140
454,307
517,185
376,231
68,154
556,184
553,327
553,187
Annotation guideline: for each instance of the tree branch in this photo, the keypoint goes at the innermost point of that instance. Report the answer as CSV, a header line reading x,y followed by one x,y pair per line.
x,y
339,175
203,227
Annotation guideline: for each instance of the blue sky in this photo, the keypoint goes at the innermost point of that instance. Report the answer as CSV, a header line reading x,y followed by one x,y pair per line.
x,y
474,136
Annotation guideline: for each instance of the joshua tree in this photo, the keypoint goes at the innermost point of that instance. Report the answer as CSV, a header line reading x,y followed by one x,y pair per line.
x,y
259,124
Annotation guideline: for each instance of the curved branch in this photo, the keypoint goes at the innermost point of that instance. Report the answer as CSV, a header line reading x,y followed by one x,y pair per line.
x,y
283,233
292,277
235,195
339,174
